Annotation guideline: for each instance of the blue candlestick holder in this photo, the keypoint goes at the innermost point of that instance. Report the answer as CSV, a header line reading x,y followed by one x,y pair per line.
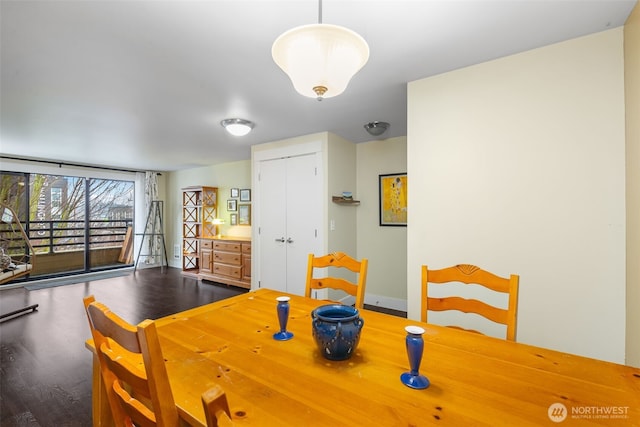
x,y
283,317
415,347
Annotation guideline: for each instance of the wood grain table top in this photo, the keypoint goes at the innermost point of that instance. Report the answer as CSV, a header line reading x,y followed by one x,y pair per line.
x,y
475,380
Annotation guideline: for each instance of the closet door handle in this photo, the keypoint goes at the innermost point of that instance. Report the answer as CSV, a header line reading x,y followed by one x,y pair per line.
x,y
289,240
281,240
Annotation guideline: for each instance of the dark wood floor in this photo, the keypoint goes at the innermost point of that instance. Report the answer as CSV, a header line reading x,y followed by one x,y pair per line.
x,y
45,370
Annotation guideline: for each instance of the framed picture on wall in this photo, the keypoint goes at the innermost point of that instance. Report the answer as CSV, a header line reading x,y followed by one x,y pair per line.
x,y
245,195
244,214
232,205
233,219
235,192
393,199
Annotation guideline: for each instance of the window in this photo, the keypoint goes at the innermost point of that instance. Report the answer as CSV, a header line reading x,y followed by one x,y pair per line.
x,y
75,224
56,203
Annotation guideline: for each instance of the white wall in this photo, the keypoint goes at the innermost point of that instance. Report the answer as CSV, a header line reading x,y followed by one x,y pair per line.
x,y
517,165
385,247
224,176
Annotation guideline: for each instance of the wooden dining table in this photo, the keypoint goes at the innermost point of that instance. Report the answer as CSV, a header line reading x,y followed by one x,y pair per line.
x,y
475,380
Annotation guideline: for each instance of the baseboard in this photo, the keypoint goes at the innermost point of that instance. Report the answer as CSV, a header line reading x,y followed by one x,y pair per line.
x,y
379,301
33,285
386,302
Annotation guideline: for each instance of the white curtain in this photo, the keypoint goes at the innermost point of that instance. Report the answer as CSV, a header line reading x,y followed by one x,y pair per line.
x,y
153,221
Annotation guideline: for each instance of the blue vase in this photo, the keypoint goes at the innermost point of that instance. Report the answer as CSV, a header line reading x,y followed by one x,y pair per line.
x,y
415,346
283,316
336,329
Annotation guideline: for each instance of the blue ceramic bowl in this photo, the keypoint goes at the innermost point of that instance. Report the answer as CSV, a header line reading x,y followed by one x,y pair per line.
x,y
336,329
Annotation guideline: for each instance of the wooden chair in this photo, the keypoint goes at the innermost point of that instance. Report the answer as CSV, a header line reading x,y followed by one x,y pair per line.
x,y
341,260
134,374
133,370
470,274
216,407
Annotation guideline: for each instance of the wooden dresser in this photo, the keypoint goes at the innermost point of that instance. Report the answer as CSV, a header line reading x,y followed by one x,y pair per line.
x,y
226,260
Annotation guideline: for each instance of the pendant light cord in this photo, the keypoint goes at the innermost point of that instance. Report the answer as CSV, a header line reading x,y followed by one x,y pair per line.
x,y
319,11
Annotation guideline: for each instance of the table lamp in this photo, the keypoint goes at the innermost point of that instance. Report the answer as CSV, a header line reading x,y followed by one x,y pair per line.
x,y
217,222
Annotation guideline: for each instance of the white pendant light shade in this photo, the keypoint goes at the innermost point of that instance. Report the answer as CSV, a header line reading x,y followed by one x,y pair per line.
x,y
320,59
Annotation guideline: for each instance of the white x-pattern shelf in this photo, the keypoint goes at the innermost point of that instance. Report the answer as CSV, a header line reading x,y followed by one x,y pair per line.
x,y
199,209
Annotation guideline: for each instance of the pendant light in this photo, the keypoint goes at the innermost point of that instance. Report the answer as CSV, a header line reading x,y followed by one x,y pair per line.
x,y
320,59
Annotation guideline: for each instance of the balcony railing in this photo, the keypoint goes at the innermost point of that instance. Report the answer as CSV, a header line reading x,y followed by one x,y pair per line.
x,y
68,235
63,246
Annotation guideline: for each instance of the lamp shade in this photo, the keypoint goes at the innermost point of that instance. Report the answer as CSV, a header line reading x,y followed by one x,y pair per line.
x,y
320,59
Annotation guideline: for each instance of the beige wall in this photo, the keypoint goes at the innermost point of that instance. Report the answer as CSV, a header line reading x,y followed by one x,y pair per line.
x,y
224,176
517,165
341,177
632,104
385,247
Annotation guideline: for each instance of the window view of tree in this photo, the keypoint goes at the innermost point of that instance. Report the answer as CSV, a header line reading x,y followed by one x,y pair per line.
x,y
85,219
13,187
111,210
56,213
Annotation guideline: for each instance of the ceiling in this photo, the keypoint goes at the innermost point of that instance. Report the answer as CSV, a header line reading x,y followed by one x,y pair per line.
x,y
144,85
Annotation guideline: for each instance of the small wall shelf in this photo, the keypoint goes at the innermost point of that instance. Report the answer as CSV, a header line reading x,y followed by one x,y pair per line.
x,y
342,201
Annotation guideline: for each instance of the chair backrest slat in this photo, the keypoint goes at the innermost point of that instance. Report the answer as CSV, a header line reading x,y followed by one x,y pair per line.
x,y
470,274
338,260
109,325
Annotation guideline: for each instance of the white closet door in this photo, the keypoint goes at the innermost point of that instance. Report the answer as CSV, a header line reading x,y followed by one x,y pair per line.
x,y
273,225
304,213
290,220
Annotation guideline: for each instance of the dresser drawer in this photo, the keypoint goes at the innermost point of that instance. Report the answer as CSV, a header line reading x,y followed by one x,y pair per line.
x,y
227,270
226,246
227,257
206,244
246,248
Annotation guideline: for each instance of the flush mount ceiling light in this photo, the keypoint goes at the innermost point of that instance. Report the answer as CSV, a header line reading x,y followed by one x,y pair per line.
x,y
237,127
320,59
376,128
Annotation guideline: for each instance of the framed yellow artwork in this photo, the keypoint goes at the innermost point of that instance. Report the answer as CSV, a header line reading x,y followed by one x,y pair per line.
x,y
393,199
